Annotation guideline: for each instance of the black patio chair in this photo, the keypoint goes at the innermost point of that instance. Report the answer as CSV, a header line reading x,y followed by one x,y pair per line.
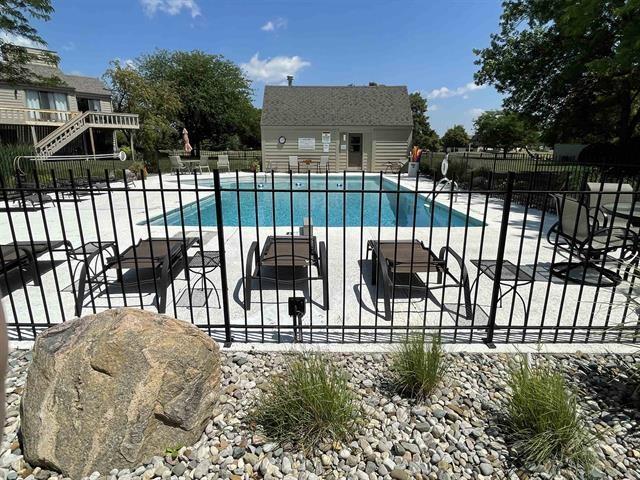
x,y
159,256
580,235
292,253
24,254
398,263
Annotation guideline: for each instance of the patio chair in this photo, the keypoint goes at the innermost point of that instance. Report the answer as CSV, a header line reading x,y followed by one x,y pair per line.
x,y
177,166
293,163
393,166
24,254
608,194
223,162
287,253
158,255
398,263
578,233
323,166
203,165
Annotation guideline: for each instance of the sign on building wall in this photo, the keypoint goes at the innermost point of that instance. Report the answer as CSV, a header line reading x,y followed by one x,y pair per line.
x,y
306,143
326,137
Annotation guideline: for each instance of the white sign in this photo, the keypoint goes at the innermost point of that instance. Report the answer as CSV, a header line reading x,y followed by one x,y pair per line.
x,y
326,137
306,143
325,148
343,147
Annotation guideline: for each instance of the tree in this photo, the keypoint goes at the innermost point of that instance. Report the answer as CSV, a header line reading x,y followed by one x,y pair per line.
x,y
156,103
214,94
423,135
456,136
504,130
14,23
572,66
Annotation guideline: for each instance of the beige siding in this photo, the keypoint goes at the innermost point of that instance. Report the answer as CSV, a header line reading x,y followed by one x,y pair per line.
x,y
390,145
8,98
105,106
276,156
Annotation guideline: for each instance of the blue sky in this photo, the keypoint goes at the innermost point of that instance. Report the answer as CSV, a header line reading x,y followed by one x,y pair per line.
x,y
426,45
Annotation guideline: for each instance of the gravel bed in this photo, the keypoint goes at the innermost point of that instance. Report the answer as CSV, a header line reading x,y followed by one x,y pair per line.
x,y
454,434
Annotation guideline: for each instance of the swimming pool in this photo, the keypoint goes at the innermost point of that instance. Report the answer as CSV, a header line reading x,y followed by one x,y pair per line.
x,y
346,207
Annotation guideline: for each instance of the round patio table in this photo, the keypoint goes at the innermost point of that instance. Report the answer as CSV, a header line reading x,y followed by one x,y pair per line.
x,y
627,211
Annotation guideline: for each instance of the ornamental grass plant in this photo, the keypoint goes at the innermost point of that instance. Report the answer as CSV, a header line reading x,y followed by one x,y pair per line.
x,y
310,402
543,418
416,367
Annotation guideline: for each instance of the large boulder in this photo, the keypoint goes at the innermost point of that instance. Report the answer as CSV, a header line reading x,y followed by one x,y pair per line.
x,y
114,389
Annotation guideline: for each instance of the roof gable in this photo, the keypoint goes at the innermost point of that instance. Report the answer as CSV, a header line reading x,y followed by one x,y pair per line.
x,y
333,106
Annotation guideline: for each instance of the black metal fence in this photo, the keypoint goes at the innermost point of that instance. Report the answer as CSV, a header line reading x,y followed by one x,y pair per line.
x,y
333,257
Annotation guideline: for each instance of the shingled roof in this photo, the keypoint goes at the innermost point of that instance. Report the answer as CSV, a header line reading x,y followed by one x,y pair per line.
x,y
333,106
90,85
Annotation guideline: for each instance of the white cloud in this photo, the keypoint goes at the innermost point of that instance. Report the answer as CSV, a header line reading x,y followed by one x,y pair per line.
x,y
275,24
19,40
126,63
445,92
273,70
475,112
69,46
171,7
433,108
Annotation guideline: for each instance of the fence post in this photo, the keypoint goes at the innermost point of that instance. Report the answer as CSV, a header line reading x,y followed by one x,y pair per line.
x,y
223,258
499,260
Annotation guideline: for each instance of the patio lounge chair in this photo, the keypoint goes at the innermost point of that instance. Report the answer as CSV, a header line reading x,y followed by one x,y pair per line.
x,y
177,166
397,264
158,255
24,254
294,166
291,253
580,235
223,162
323,166
203,165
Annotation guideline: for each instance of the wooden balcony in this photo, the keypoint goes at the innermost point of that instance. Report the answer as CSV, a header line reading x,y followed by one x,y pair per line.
x,y
30,116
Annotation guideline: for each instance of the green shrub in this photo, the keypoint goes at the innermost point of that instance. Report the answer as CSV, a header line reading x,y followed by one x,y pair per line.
x,y
543,417
416,369
309,402
139,168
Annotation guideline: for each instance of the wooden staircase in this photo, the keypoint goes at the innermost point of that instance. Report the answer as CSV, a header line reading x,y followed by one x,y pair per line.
x,y
77,125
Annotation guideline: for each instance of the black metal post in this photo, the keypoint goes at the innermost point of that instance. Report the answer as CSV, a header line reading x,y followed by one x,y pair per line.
x,y
223,258
488,340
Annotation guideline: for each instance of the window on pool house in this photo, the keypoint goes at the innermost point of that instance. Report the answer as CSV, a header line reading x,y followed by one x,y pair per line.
x,y
55,106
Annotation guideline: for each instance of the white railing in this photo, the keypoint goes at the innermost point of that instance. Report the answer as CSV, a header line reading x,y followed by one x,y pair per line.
x,y
78,124
113,120
34,116
62,135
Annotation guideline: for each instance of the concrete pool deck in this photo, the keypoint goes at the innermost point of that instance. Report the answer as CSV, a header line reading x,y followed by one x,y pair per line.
x,y
351,295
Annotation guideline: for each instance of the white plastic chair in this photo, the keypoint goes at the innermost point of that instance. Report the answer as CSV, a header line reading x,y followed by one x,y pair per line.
x,y
203,165
324,163
293,163
223,162
176,164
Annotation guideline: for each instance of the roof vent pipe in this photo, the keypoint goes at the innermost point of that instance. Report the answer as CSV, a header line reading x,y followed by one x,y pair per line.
x,y
290,80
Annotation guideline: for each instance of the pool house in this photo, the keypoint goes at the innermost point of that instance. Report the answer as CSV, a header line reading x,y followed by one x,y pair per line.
x,y
353,128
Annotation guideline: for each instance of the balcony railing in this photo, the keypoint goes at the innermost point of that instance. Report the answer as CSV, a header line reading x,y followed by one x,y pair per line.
x,y
33,116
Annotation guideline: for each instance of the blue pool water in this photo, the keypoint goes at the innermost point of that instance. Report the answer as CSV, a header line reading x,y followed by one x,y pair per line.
x,y
369,209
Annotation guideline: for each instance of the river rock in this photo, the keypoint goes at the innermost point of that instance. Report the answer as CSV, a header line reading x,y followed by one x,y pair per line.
x,y
114,389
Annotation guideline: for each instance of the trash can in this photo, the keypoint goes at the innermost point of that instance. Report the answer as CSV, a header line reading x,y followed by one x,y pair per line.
x,y
413,169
